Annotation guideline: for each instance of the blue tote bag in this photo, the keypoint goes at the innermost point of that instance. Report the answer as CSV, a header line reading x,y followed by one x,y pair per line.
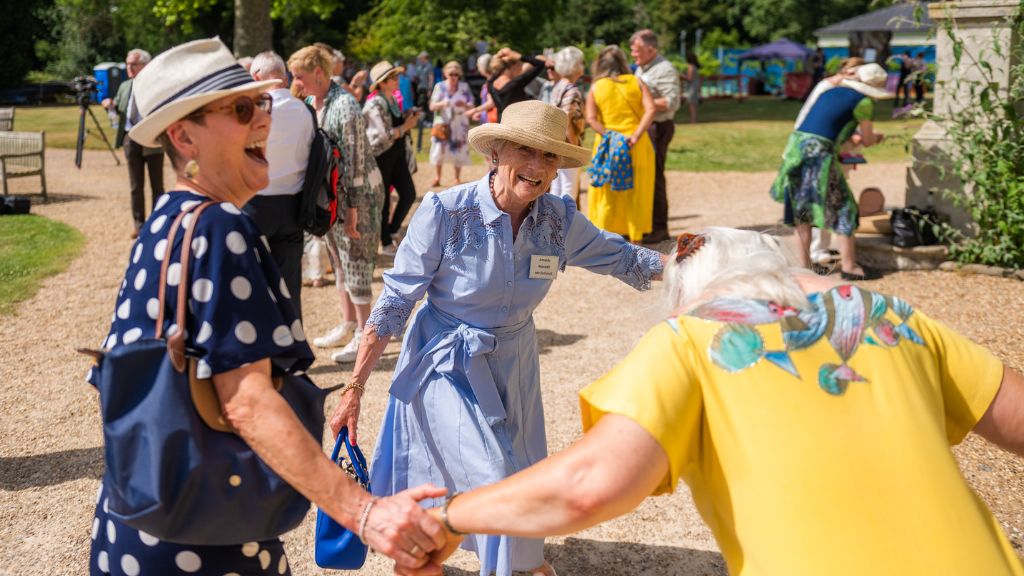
x,y
336,546
174,467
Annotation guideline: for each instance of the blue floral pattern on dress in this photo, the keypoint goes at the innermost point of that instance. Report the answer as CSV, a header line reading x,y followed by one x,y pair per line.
x,y
467,228
546,230
389,315
639,265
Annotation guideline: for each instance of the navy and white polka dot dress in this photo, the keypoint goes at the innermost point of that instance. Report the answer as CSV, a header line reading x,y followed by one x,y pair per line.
x,y
240,312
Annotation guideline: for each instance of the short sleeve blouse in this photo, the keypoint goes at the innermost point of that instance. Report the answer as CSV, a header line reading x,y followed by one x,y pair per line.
x,y
240,310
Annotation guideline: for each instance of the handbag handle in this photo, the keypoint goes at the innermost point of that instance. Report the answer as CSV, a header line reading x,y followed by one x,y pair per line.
x,y
355,456
176,341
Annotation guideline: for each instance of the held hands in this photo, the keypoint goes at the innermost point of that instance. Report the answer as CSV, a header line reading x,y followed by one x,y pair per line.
x,y
401,529
347,414
439,555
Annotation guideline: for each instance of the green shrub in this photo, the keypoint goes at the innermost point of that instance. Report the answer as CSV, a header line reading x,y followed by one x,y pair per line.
x,y
984,163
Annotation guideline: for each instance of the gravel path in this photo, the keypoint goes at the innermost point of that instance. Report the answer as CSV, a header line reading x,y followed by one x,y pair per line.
x,y
51,440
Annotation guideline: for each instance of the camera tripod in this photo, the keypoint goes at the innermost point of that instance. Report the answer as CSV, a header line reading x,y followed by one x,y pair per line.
x,y
83,106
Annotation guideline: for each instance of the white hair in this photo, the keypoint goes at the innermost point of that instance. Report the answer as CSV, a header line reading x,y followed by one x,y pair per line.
x,y
569,61
735,262
483,64
269,65
144,56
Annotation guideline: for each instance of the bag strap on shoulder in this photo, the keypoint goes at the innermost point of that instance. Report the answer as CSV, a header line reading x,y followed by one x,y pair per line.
x,y
176,341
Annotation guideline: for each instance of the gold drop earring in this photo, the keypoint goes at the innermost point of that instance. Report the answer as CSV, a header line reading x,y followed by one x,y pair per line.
x,y
191,170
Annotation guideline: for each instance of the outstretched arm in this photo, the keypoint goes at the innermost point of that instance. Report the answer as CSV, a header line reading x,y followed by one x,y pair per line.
x,y
1003,422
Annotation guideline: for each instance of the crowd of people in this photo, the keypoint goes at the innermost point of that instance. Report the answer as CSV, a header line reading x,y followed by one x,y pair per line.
x,y
764,379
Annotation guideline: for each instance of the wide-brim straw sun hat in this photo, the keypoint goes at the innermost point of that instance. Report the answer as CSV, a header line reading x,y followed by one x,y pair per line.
x,y
183,80
535,124
381,71
870,81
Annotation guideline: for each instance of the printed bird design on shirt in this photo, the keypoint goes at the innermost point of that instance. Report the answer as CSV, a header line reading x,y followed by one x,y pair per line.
x,y
845,317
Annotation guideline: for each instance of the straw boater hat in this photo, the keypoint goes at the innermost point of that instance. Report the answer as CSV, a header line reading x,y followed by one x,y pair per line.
x,y
870,81
381,71
535,124
183,80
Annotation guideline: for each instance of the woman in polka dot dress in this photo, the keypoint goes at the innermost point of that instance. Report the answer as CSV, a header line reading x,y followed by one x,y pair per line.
x,y
241,320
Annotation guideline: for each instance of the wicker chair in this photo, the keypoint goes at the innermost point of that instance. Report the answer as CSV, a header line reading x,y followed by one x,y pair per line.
x,y
23,154
6,119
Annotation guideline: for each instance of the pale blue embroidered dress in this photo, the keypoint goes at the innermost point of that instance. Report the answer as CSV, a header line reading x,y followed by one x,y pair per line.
x,y
465,407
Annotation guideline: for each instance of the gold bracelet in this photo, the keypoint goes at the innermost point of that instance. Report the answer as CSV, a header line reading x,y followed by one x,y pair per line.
x,y
354,384
444,515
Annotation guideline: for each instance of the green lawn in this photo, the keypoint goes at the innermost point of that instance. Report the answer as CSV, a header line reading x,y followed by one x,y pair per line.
x,y
736,136
32,248
61,125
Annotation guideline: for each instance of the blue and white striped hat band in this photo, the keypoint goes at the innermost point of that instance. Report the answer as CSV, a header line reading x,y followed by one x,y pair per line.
x,y
230,77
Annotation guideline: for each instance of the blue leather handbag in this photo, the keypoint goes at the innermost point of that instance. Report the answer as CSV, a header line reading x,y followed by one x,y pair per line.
x,y
336,546
174,469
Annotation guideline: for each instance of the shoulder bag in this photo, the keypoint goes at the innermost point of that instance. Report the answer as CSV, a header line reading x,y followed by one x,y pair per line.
x,y
174,467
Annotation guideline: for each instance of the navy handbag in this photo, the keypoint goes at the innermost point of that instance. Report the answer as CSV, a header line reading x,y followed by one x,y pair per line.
x,y
336,546
174,467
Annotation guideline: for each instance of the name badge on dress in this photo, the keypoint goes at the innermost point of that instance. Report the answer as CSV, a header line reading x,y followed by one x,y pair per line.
x,y
543,267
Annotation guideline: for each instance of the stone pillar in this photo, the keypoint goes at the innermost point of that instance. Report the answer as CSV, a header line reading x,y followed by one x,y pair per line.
x,y
978,23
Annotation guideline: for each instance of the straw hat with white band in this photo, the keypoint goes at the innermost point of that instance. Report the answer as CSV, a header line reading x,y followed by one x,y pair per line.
x,y
184,79
381,71
870,81
535,124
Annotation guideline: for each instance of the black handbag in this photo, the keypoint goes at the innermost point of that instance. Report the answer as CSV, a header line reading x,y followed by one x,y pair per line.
x,y
174,467
912,226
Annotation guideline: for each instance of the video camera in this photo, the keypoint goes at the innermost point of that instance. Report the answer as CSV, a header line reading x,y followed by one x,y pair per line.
x,y
83,87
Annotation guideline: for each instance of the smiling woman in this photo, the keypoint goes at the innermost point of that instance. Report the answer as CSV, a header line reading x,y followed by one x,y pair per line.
x,y
465,407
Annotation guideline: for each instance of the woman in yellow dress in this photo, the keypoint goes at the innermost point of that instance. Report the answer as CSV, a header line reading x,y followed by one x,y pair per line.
x,y
620,107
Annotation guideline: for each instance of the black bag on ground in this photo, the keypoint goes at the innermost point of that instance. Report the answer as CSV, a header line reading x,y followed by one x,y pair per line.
x,y
912,226
321,188
15,205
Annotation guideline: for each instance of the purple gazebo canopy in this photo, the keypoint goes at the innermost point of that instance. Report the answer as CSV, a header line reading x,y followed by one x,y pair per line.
x,y
782,49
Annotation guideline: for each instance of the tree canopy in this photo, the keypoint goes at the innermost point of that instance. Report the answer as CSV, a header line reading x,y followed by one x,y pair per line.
x,y
68,37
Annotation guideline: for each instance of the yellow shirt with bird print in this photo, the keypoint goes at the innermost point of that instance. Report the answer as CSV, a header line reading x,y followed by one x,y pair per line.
x,y
817,441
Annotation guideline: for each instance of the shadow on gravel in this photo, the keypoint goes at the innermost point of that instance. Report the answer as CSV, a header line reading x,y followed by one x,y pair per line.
x,y
682,217
62,198
599,558
548,339
387,363
21,472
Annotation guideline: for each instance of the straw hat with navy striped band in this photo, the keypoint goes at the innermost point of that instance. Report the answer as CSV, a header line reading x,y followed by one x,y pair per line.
x,y
184,79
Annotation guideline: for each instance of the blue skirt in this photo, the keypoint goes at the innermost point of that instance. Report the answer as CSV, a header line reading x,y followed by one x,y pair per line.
x,y
465,411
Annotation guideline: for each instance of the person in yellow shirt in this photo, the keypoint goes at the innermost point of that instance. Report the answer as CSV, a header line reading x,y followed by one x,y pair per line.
x,y
811,420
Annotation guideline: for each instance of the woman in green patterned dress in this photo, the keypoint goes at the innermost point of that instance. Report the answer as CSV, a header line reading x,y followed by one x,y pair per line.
x,y
810,182
352,246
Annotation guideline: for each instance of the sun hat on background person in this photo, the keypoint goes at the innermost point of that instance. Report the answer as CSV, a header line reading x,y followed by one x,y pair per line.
x,y
383,70
870,80
213,120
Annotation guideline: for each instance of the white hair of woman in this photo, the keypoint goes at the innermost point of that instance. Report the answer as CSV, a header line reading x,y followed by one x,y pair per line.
x,y
144,56
735,262
269,65
569,61
483,64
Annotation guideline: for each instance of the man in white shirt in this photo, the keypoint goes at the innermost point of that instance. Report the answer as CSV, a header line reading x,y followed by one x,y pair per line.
x,y
275,209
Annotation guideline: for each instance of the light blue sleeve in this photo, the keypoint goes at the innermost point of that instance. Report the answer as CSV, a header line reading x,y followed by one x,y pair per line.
x,y
602,252
418,258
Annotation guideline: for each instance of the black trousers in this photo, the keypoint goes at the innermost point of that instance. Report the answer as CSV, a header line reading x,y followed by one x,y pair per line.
x,y
661,136
395,172
277,217
137,164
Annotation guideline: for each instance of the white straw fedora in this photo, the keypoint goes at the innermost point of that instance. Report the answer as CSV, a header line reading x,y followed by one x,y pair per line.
x,y
184,79
535,124
870,81
381,71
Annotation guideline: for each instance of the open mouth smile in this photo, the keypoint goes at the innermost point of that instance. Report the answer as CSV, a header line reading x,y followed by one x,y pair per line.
x,y
257,151
530,181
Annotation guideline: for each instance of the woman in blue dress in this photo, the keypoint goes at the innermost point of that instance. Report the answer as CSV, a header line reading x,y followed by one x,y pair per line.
x,y
465,407
213,121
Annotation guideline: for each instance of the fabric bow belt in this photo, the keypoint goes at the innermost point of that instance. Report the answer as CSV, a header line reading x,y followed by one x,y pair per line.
x,y
458,353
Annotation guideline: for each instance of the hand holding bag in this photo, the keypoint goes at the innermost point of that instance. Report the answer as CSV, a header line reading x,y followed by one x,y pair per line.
x,y
177,474
440,131
336,546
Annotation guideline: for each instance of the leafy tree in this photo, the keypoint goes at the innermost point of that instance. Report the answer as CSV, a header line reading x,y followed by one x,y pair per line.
x,y
767,20
18,28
